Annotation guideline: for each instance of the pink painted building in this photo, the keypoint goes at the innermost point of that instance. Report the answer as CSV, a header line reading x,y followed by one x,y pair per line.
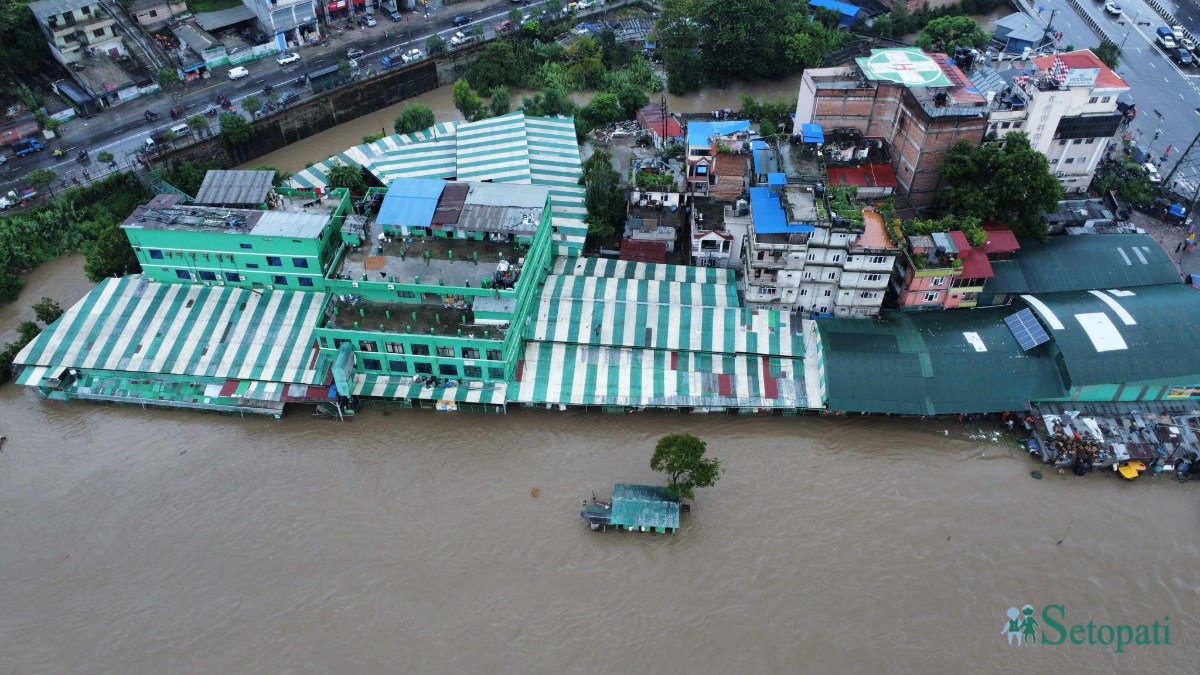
x,y
942,270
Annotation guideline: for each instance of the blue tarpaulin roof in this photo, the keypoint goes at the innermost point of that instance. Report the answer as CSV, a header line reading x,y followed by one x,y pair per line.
x,y
769,217
849,12
812,133
1177,210
411,202
774,179
701,133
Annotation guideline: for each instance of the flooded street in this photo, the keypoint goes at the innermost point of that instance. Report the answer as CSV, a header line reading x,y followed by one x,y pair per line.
x,y
137,541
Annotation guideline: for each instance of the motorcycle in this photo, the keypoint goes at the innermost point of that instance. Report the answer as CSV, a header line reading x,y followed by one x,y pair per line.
x,y
82,156
211,111
151,115
176,113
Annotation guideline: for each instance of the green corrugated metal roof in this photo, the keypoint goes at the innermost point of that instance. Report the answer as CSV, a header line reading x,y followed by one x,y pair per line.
x,y
644,506
1081,263
1123,336
924,363
134,326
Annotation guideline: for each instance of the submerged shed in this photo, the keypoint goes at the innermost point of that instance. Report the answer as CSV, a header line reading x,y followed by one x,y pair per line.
x,y
644,507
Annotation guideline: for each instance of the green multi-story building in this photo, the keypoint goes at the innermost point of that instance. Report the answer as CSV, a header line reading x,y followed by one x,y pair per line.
x,y
291,245
430,296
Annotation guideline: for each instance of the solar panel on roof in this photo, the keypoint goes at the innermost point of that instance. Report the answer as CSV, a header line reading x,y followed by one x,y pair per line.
x,y
1025,327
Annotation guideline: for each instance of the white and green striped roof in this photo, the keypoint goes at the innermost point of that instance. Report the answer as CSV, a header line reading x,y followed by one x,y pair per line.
x,y
135,326
512,148
624,269
389,386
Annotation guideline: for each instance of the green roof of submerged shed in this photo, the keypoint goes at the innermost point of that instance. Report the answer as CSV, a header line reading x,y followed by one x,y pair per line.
x,y
1081,263
1123,336
933,363
644,506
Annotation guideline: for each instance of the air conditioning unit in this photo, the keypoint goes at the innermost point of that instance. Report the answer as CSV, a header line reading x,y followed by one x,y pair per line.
x,y
354,284
391,287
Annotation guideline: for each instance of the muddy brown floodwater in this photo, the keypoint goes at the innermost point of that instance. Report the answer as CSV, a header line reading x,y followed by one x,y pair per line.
x,y
136,541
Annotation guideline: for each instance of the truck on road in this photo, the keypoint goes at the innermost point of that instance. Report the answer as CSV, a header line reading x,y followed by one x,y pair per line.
x,y
1166,38
26,146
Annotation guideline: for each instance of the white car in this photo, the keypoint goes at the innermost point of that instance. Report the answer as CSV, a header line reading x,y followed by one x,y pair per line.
x,y
287,58
1152,172
582,5
1112,8
412,55
238,73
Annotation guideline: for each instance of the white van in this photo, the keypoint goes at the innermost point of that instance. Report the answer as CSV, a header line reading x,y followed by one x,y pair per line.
x,y
180,130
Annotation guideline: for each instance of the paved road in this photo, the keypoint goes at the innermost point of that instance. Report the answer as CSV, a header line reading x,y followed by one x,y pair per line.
x,y
122,130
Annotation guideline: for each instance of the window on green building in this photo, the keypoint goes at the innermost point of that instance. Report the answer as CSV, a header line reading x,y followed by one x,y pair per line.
x,y
420,350
367,346
448,369
372,364
274,261
447,352
305,281
424,368
405,294
473,371
470,353
251,266
393,347
398,366
300,262
183,274
494,355
496,373
280,280
244,245
206,275
233,276
156,254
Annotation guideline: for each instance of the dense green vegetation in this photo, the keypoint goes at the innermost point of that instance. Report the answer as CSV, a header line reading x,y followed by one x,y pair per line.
x,y
603,196
81,219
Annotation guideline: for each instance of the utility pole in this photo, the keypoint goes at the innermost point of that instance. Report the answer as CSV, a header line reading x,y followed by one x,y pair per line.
x,y
663,108
1182,157
1129,30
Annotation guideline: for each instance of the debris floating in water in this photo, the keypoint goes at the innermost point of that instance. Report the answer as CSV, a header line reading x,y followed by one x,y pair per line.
x,y
535,492
1037,475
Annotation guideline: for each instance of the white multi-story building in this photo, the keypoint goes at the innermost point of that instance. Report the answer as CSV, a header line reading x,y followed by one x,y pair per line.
x,y
1067,106
285,19
75,29
800,257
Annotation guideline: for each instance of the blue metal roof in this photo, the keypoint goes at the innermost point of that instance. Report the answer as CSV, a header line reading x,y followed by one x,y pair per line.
x,y
768,214
701,133
812,133
849,12
774,179
411,202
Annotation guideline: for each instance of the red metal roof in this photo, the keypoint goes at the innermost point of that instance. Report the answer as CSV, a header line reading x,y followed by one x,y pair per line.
x,y
651,117
964,92
730,171
644,251
868,175
1000,240
1084,59
975,264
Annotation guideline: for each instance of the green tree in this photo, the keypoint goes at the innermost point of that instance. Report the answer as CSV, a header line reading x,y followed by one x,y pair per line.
x,y
197,124
189,174
167,77
109,255
603,196
632,99
678,37
497,65
47,310
435,45
1109,53
1005,180
515,16
946,33
345,70
501,102
41,179
602,109
235,130
413,118
347,176
371,138
738,42
23,50
252,104
26,331
467,101
105,157
554,7
32,99
10,285
681,457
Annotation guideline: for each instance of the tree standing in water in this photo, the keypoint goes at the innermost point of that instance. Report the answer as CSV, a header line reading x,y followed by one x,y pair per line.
x,y
681,457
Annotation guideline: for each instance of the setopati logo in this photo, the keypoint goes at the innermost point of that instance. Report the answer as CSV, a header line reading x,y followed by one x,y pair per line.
x,y
1026,628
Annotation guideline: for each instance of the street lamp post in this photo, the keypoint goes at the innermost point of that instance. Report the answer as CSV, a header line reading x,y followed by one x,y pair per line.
x,y
1130,29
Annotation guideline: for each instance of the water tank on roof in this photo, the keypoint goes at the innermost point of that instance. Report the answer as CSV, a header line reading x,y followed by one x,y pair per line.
x,y
743,207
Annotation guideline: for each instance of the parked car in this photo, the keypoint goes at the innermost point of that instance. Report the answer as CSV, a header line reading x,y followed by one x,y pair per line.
x,y
1183,57
1152,172
353,53
582,5
367,21
1113,8
412,55
1165,37
462,20
395,16
238,73
287,57
504,26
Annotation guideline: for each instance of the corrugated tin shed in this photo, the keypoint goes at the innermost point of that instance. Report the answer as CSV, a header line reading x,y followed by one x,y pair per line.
x,y
1122,336
235,189
644,251
1084,263
931,363
411,202
644,506
290,224
702,133
128,325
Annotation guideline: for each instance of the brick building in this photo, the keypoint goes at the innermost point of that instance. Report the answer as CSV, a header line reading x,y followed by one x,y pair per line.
x,y
920,104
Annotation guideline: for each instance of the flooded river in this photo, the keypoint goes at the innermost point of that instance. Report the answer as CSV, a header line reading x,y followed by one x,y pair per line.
x,y
139,541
